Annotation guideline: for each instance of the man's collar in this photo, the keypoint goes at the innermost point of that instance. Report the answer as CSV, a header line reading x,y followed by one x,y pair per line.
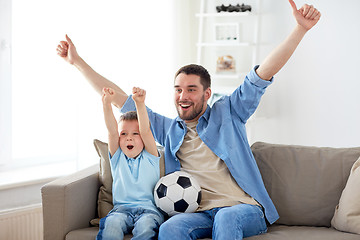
x,y
206,114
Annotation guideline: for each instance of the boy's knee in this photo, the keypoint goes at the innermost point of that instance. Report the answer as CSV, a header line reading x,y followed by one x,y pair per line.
x,y
112,228
114,223
151,220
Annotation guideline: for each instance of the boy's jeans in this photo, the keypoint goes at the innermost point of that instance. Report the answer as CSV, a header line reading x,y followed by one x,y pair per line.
x,y
121,220
225,223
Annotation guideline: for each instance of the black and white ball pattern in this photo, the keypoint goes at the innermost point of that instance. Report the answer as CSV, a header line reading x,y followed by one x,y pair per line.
x,y
177,192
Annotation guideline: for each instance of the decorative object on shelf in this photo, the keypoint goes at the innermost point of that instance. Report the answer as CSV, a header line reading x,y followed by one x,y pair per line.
x,y
225,64
227,32
233,8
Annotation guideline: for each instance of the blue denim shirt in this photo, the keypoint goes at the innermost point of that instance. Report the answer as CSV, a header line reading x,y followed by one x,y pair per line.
x,y
222,129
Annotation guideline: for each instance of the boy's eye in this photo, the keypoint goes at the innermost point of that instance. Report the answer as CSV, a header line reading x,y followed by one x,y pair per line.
x,y
136,133
122,134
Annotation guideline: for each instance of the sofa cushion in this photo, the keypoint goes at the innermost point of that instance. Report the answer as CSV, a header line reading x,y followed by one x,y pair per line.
x,y
347,212
305,183
105,178
282,232
105,192
275,232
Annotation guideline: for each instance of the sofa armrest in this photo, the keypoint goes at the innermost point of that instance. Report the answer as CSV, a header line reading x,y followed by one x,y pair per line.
x,y
69,202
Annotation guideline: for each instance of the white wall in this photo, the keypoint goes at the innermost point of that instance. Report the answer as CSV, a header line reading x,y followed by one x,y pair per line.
x,y
314,99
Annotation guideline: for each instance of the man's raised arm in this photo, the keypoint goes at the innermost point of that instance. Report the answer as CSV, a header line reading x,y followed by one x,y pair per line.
x,y
66,50
306,17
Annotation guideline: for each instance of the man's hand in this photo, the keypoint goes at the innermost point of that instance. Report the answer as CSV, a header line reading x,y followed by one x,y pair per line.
x,y
66,50
138,95
307,16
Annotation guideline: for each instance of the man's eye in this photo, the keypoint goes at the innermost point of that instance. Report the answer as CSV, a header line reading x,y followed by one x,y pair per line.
x,y
178,90
191,90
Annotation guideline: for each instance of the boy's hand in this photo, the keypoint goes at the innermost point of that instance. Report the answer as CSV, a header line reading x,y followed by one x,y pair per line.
x,y
66,50
138,95
307,16
108,96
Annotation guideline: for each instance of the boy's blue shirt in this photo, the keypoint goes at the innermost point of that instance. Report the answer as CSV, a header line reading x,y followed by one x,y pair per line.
x,y
222,129
134,179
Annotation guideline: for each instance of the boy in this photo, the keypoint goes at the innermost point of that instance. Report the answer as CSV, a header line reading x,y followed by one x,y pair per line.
x,y
134,162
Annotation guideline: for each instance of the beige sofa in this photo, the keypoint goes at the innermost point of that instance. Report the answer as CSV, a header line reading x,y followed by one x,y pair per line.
x,y
305,184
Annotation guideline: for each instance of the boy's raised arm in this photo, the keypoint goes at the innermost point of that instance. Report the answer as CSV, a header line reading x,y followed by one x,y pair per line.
x,y
66,49
306,17
110,121
144,123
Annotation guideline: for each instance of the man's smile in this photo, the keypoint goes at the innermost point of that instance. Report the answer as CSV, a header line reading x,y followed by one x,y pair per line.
x,y
185,105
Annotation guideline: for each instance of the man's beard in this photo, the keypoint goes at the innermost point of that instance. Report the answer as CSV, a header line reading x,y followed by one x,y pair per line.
x,y
193,114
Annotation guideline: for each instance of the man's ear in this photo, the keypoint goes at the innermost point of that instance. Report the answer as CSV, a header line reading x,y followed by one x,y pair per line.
x,y
208,93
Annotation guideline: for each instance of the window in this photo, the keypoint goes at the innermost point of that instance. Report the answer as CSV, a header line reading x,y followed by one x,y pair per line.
x,y
49,113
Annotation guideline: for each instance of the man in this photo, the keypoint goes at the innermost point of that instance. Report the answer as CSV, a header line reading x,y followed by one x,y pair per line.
x,y
210,143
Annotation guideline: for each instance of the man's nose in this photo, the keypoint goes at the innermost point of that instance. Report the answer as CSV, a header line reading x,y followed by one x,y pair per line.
x,y
183,96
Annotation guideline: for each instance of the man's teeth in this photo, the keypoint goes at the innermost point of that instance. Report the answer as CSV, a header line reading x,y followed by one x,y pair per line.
x,y
184,105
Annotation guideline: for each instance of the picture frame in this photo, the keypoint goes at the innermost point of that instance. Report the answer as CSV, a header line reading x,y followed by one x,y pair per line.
x,y
226,32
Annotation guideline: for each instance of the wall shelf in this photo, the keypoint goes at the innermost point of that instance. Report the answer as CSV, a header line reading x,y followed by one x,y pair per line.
x,y
226,14
227,43
229,76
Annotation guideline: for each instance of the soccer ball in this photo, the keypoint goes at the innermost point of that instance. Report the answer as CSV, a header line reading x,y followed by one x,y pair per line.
x,y
177,192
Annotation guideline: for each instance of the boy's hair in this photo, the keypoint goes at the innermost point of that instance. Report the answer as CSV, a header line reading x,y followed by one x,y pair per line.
x,y
198,70
128,116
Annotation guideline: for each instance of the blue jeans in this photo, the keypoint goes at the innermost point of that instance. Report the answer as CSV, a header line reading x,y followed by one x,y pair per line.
x,y
121,220
236,222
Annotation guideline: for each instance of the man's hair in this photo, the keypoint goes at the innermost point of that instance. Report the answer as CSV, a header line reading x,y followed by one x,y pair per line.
x,y
198,70
128,116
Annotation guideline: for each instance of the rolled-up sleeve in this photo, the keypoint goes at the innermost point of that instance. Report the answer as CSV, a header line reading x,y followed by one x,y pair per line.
x,y
256,80
129,105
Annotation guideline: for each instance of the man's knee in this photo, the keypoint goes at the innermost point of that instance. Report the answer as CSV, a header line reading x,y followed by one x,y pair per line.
x,y
248,219
238,212
186,226
172,229
166,229
224,215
